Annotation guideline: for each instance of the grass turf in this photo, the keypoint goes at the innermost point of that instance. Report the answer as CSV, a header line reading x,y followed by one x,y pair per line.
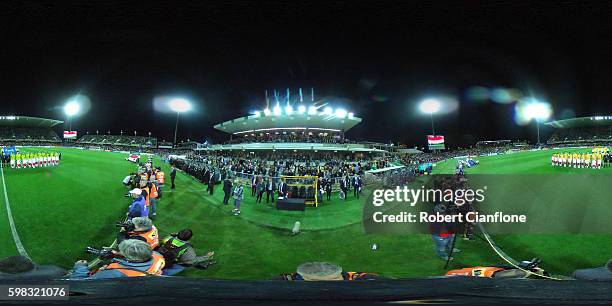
x,y
60,210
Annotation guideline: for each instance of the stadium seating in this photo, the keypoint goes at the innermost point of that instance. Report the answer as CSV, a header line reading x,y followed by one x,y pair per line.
x,y
289,136
118,141
23,135
581,135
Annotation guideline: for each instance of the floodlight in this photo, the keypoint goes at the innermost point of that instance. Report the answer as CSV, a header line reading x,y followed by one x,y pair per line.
x,y
538,111
288,110
530,109
72,108
327,111
301,109
351,115
430,106
179,105
267,112
256,113
277,110
340,113
312,110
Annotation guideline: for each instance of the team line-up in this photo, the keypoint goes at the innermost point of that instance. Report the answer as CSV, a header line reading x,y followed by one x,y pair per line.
x,y
34,160
581,160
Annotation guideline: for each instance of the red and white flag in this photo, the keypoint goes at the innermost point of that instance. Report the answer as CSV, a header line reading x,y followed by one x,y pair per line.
x,y
433,139
70,134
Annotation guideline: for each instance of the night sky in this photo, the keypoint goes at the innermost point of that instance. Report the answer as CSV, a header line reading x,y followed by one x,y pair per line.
x,y
377,59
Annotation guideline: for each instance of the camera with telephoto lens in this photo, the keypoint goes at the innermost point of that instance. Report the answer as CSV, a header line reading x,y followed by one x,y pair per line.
x,y
128,226
104,253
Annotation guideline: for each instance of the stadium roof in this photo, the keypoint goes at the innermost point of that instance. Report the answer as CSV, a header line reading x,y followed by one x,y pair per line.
x,y
581,122
334,147
255,123
24,121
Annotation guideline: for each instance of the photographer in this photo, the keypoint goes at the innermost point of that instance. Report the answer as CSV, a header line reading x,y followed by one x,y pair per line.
x,y
138,208
178,253
134,259
140,228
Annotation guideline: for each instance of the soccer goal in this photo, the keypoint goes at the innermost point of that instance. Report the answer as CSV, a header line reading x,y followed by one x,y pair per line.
x,y
303,187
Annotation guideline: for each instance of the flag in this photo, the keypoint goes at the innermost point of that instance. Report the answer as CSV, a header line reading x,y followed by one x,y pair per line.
x,y
70,134
435,142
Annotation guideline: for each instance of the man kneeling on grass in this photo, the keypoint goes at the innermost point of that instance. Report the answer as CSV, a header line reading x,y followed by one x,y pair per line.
x,y
179,254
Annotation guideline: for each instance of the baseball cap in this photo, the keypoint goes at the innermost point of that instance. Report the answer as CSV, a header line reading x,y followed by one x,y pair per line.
x,y
136,191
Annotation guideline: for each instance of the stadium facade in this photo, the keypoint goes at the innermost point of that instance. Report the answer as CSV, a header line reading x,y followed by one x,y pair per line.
x,y
305,129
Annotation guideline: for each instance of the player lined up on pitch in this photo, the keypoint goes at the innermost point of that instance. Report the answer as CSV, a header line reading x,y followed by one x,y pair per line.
x,y
581,160
34,160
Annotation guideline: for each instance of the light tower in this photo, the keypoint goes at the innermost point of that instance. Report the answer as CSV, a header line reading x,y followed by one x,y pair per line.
x,y
430,106
178,105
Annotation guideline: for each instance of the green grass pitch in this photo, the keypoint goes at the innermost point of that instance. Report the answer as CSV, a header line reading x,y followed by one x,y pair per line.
x,y
60,210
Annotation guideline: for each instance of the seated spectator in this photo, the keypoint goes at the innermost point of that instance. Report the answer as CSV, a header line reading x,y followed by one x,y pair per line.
x,y
179,253
22,268
134,259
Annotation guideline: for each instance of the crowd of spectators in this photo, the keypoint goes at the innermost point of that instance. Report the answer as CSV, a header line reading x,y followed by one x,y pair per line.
x,y
28,136
289,137
221,164
118,141
581,135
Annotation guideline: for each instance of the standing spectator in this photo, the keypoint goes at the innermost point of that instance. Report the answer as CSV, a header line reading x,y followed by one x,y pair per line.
x,y
227,190
153,196
211,183
357,185
344,187
238,196
160,177
282,189
270,189
443,234
254,185
172,176
328,188
260,190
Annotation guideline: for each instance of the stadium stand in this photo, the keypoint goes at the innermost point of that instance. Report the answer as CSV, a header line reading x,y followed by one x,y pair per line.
x,y
118,141
20,130
581,131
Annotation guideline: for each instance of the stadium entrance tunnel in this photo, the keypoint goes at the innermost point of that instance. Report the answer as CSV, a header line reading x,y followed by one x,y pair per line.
x,y
157,291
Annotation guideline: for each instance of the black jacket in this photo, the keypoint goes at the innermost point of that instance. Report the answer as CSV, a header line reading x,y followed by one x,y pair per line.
x,y
227,186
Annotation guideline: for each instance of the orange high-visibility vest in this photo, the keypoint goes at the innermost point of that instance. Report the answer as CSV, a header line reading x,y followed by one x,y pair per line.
x,y
148,192
151,236
154,193
154,270
160,176
475,271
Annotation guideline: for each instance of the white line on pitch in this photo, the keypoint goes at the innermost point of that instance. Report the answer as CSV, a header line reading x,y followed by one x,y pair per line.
x,y
22,251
